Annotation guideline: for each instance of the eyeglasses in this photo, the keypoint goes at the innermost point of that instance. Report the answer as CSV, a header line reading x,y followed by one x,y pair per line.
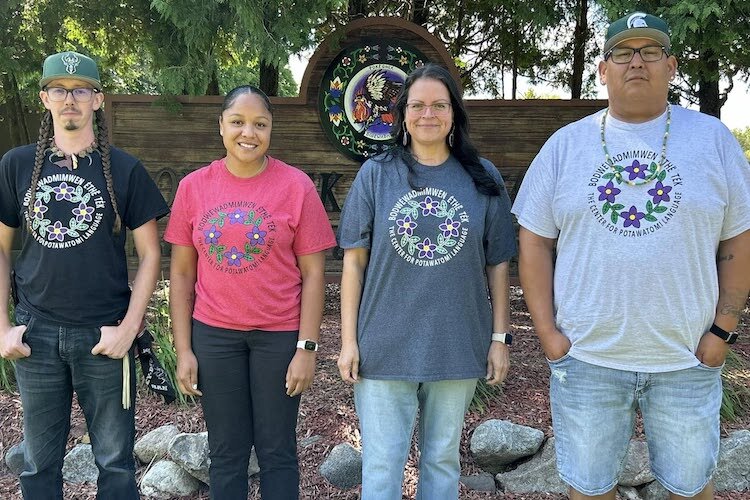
x,y
83,94
623,55
438,108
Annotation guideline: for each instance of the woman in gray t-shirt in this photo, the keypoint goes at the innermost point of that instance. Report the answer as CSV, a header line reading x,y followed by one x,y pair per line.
x,y
426,231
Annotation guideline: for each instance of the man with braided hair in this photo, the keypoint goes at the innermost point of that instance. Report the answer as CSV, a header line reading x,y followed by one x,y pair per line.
x,y
72,195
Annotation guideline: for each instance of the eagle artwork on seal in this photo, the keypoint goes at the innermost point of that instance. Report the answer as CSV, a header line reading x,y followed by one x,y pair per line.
x,y
375,100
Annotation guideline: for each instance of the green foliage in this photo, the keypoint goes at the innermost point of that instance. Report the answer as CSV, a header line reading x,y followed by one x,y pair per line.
x,y
735,377
743,137
160,326
484,395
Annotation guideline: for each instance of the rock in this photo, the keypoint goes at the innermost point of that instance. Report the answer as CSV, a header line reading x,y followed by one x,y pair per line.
x,y
480,482
497,443
190,451
343,466
537,474
637,470
628,493
654,491
79,465
155,444
733,472
14,458
165,479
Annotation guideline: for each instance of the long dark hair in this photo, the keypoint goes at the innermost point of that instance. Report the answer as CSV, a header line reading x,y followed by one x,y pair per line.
x,y
463,149
43,144
236,92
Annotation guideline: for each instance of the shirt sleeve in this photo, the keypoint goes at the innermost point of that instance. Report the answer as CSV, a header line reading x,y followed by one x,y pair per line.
x,y
499,234
355,225
9,209
737,168
145,201
533,204
314,232
180,227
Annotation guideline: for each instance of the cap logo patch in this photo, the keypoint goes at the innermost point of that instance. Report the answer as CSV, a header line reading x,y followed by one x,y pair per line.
x,y
637,21
71,62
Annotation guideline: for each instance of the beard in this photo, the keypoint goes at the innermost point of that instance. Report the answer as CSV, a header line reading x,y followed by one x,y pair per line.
x,y
70,125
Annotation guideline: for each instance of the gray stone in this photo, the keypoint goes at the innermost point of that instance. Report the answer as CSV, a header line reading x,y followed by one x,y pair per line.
x,y
480,482
497,443
628,493
654,491
733,471
165,479
155,444
637,470
539,474
79,466
190,451
14,458
343,466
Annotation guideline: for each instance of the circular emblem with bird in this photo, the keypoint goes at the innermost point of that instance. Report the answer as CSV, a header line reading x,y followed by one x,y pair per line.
x,y
358,94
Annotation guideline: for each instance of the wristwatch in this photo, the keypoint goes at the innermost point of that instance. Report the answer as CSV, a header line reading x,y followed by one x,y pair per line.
x,y
506,338
307,345
728,337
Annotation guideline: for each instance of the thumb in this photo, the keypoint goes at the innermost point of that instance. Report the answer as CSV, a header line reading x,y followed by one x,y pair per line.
x,y
355,369
97,349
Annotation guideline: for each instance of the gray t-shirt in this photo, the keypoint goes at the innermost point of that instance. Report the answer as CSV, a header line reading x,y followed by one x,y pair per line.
x,y
424,313
636,283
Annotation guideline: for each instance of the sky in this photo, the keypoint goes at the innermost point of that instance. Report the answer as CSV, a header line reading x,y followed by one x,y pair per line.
x,y
735,113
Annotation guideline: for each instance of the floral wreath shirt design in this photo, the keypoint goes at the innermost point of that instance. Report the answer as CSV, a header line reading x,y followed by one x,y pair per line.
x,y
236,237
630,211
428,227
67,210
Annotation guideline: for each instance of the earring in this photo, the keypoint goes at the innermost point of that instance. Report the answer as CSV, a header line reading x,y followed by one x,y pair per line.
x,y
406,136
450,137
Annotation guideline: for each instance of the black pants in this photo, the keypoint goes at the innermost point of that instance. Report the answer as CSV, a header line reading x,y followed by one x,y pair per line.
x,y
242,377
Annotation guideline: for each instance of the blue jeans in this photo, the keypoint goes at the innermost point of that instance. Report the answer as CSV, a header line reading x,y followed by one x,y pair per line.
x,y
60,363
593,414
387,412
242,377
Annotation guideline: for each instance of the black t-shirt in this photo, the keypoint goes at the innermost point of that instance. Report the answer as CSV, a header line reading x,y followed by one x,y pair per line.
x,y
71,269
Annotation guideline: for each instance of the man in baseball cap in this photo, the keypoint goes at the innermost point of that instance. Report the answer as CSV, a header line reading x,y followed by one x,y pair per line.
x,y
73,195
635,263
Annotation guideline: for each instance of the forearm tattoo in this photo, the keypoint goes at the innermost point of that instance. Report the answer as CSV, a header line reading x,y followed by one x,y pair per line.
x,y
725,257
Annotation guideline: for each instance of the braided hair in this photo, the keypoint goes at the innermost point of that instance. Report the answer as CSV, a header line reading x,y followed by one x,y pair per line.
x,y
42,144
102,140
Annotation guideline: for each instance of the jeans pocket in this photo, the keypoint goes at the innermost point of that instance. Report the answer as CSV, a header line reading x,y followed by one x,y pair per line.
x,y
712,368
557,361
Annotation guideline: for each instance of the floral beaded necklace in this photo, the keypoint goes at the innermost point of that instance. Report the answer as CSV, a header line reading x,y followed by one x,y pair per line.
x,y
637,173
70,161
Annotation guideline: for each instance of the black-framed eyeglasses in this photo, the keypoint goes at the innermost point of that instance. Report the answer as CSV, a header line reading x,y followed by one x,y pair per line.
x,y
82,94
623,55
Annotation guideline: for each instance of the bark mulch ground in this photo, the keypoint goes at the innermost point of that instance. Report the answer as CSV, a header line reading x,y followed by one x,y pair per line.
x,y
327,414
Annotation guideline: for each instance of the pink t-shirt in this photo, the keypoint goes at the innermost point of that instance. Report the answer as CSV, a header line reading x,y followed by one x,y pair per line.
x,y
248,233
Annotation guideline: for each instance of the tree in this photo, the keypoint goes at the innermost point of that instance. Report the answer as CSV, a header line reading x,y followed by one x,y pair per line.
x,y
710,39
743,137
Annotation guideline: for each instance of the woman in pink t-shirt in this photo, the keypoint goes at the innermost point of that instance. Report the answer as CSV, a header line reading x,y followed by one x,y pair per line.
x,y
248,236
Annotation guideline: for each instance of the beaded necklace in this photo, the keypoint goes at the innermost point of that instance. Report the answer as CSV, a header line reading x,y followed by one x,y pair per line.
x,y
70,161
662,157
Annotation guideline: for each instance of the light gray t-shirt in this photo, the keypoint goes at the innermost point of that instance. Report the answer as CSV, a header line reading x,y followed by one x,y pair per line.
x,y
636,283
424,313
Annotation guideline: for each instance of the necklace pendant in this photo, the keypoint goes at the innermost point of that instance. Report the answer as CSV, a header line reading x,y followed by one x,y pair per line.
x,y
75,161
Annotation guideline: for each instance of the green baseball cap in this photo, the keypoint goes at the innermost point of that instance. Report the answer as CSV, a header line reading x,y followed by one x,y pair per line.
x,y
637,25
70,65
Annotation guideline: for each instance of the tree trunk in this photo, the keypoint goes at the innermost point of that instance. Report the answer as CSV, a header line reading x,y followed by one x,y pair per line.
x,y
213,84
269,78
514,69
421,12
708,90
357,9
579,45
19,132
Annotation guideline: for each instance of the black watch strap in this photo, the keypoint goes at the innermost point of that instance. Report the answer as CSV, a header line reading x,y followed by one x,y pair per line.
x,y
728,337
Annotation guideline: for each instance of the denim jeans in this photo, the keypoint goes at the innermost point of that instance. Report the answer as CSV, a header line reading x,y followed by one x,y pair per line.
x,y
60,363
387,412
242,376
593,414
